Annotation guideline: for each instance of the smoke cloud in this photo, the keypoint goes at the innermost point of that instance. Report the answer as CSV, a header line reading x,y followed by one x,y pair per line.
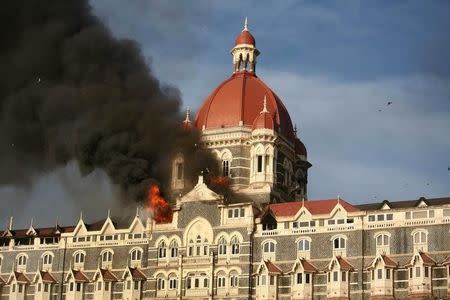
x,y
70,91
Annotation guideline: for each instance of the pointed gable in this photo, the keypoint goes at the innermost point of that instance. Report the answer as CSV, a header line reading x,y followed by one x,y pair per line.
x,y
269,267
135,273
47,277
20,277
423,258
383,259
200,193
342,264
77,276
106,275
305,266
108,227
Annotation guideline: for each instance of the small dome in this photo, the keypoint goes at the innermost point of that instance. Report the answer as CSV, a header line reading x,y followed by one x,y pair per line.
x,y
264,120
245,37
300,148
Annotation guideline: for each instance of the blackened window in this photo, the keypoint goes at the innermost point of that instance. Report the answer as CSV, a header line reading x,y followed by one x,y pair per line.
x,y
260,165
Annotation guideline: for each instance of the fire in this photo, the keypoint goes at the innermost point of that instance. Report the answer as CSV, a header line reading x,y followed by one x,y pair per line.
x,y
158,206
221,180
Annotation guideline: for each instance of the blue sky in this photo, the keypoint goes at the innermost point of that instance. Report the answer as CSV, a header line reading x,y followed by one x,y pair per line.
x,y
335,64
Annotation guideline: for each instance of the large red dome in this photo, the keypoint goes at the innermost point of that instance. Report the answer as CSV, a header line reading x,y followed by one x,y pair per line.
x,y
240,98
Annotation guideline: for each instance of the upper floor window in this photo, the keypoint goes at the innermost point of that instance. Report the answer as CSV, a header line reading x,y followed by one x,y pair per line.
x,y
420,237
380,217
339,243
173,249
222,246
173,281
421,214
269,247
259,163
179,167
269,226
382,240
303,245
79,257
226,168
47,259
107,256
21,260
221,280
162,249
236,213
234,279
136,255
160,283
235,245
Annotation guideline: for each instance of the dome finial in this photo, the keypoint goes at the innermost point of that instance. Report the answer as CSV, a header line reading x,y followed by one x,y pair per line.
x,y
264,105
245,25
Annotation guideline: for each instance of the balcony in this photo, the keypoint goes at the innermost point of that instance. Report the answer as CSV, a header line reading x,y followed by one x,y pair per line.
x,y
269,232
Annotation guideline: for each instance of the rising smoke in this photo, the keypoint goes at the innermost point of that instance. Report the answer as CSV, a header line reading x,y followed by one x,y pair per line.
x,y
71,91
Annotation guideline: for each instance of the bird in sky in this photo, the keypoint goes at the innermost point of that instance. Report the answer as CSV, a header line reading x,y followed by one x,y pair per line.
x,y
389,103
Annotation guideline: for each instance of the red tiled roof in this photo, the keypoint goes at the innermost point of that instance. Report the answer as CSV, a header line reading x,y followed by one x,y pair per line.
x,y
47,277
389,262
426,259
79,276
308,266
137,274
264,120
21,277
272,268
344,264
315,207
107,275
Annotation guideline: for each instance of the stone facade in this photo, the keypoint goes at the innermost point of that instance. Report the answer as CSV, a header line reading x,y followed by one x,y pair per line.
x,y
316,249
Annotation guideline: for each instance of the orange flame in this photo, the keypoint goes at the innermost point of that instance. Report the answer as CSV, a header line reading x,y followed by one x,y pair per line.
x,y
221,180
158,206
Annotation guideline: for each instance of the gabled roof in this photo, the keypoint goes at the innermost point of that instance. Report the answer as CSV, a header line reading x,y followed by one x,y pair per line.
x,y
79,276
307,266
269,266
315,207
21,277
387,261
136,274
107,275
404,204
446,261
47,277
344,265
424,258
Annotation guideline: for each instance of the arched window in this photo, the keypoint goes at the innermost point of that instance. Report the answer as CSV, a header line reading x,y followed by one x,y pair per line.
x,y
173,281
269,247
47,259
107,256
221,280
222,246
303,245
21,260
339,243
162,249
382,240
191,248
234,279
79,257
136,255
420,237
235,245
173,249
160,283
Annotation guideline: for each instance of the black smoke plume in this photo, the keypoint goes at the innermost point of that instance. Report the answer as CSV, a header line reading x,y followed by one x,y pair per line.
x,y
70,90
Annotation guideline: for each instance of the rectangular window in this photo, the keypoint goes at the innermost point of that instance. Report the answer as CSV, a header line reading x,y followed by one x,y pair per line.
x,y
329,277
389,217
331,222
350,221
71,287
106,286
20,288
344,276
272,280
299,278
321,222
78,286
410,273
408,215
426,272
242,212
304,224
371,218
294,225
420,214
431,214
446,212
263,280
373,274
260,163
312,224
380,217
136,285
388,273
307,278
335,276
230,213
417,271
380,274
341,221
99,286
236,213
39,287
179,171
